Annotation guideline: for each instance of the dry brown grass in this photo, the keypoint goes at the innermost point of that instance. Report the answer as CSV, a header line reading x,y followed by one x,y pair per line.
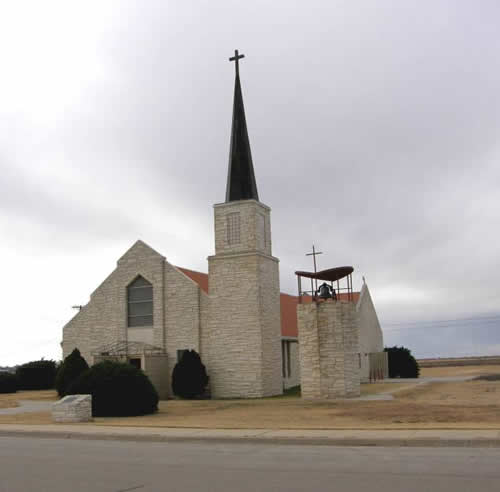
x,y
377,388
459,371
471,404
11,400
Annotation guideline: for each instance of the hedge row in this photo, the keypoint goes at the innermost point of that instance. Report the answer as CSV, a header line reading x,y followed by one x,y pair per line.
x,y
8,382
37,375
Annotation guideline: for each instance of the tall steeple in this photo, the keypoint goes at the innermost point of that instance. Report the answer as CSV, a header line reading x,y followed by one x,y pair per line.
x,y
241,183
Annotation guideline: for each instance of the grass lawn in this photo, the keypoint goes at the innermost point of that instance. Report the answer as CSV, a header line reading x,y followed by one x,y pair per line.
x,y
452,405
10,400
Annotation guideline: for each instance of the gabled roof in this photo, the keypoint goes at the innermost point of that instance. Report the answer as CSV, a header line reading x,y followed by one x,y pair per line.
x,y
288,303
140,247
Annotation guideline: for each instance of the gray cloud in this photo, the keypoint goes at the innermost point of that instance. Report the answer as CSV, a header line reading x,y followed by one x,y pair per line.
x,y
374,130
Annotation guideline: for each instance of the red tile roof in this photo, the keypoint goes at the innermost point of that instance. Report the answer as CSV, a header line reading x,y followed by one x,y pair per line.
x,y
288,302
200,278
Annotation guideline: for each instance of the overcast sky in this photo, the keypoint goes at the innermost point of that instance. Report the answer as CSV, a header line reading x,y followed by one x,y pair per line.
x,y
375,134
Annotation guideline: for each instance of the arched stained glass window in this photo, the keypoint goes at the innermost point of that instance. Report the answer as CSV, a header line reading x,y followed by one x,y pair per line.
x,y
140,303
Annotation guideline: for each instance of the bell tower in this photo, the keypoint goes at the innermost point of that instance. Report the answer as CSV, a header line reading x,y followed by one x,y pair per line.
x,y
244,312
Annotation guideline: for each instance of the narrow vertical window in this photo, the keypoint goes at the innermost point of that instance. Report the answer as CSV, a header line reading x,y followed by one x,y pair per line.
x,y
140,303
233,228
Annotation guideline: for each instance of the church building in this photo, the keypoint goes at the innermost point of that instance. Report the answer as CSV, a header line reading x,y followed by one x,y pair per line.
x,y
148,311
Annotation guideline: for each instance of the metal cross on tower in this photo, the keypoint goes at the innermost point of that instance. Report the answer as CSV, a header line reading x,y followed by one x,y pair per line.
x,y
236,59
314,254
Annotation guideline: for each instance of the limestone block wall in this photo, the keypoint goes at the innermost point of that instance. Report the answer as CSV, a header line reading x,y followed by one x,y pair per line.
x,y
73,408
235,349
204,328
370,333
244,352
141,334
176,311
182,317
328,338
254,221
156,368
103,320
270,326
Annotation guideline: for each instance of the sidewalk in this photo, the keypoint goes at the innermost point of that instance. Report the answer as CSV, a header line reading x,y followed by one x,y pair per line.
x,y
346,437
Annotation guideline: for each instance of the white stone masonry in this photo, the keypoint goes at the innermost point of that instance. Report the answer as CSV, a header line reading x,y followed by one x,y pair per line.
x,y
73,408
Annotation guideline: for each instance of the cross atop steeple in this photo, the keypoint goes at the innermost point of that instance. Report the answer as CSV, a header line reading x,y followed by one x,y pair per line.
x,y
236,59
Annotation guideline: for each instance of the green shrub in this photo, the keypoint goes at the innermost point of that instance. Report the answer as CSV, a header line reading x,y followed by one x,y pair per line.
x,y
189,378
36,375
117,389
401,363
8,382
69,370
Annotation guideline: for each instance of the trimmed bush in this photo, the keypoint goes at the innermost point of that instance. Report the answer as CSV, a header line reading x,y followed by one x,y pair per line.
x,y
69,370
8,382
36,375
401,363
189,378
117,389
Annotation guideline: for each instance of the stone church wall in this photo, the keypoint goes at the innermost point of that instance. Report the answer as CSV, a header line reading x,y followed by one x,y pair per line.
x,y
103,320
269,309
182,316
370,334
156,368
176,312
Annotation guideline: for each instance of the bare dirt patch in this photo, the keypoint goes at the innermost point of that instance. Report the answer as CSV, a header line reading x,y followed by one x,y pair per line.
x,y
6,402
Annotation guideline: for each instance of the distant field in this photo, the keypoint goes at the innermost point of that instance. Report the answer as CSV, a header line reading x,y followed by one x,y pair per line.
x,y
460,361
436,372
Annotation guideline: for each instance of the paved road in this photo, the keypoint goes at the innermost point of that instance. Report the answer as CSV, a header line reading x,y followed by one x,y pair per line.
x,y
70,465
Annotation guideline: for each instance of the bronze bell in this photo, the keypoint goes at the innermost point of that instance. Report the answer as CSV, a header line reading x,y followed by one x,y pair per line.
x,y
325,291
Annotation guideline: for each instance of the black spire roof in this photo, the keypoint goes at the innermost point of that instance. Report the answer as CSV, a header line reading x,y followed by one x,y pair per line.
x,y
241,183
